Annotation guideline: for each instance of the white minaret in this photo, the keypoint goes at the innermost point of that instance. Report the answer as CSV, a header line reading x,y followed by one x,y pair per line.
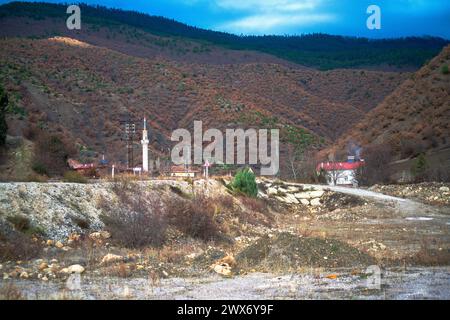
x,y
144,143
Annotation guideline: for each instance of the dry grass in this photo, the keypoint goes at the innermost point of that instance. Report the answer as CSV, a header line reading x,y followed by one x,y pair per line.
x,y
195,217
10,292
15,245
138,220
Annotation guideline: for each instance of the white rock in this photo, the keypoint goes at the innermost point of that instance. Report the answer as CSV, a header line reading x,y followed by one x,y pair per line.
x,y
223,269
316,194
282,190
304,202
444,189
302,195
105,234
95,236
262,195
291,199
315,202
271,191
76,268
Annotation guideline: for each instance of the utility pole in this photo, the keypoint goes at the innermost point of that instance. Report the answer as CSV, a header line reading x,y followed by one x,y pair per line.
x,y
129,135
130,131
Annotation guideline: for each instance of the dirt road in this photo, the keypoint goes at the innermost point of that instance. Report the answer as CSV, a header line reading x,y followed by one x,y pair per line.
x,y
408,209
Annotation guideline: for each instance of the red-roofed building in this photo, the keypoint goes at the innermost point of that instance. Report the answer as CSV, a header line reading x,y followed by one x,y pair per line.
x,y
75,165
341,173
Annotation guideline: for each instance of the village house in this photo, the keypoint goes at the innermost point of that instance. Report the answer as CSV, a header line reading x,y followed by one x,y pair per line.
x,y
341,173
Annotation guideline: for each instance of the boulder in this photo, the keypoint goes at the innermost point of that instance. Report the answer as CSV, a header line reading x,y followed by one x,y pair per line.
x,y
262,195
282,190
302,195
76,268
99,235
223,269
105,234
315,202
304,202
59,244
271,191
43,266
444,189
291,199
316,194
111,258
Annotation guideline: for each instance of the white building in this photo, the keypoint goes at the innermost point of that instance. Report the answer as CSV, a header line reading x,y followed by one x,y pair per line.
x,y
341,173
145,143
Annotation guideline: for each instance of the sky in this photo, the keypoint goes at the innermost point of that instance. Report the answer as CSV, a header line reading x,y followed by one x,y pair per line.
x,y
257,17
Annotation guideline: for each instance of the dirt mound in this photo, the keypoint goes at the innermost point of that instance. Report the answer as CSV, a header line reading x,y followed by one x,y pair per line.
x,y
332,200
286,252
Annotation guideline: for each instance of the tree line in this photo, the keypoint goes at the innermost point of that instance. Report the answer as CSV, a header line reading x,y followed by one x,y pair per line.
x,y
318,50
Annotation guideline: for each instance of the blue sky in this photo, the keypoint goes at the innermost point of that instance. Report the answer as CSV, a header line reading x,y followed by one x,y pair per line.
x,y
344,17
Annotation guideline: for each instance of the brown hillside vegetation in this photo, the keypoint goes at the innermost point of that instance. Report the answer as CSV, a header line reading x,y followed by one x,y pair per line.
x,y
85,91
135,42
414,118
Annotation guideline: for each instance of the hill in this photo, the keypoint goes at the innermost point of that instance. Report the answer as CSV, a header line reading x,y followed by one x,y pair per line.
x,y
85,92
84,85
412,120
416,113
316,50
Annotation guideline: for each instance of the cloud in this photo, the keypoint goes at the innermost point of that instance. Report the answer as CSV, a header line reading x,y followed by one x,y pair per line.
x,y
273,23
268,5
271,16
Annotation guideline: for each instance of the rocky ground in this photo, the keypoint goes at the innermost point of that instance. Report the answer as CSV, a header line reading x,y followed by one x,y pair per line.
x,y
427,192
322,239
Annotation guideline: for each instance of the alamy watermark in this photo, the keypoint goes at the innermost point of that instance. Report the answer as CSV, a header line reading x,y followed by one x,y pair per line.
x,y
235,152
374,20
73,22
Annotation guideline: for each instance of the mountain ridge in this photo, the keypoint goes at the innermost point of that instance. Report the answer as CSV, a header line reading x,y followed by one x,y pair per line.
x,y
317,50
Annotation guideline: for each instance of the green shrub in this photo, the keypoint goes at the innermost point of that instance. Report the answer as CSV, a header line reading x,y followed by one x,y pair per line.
x,y
39,168
74,177
245,182
444,69
419,167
